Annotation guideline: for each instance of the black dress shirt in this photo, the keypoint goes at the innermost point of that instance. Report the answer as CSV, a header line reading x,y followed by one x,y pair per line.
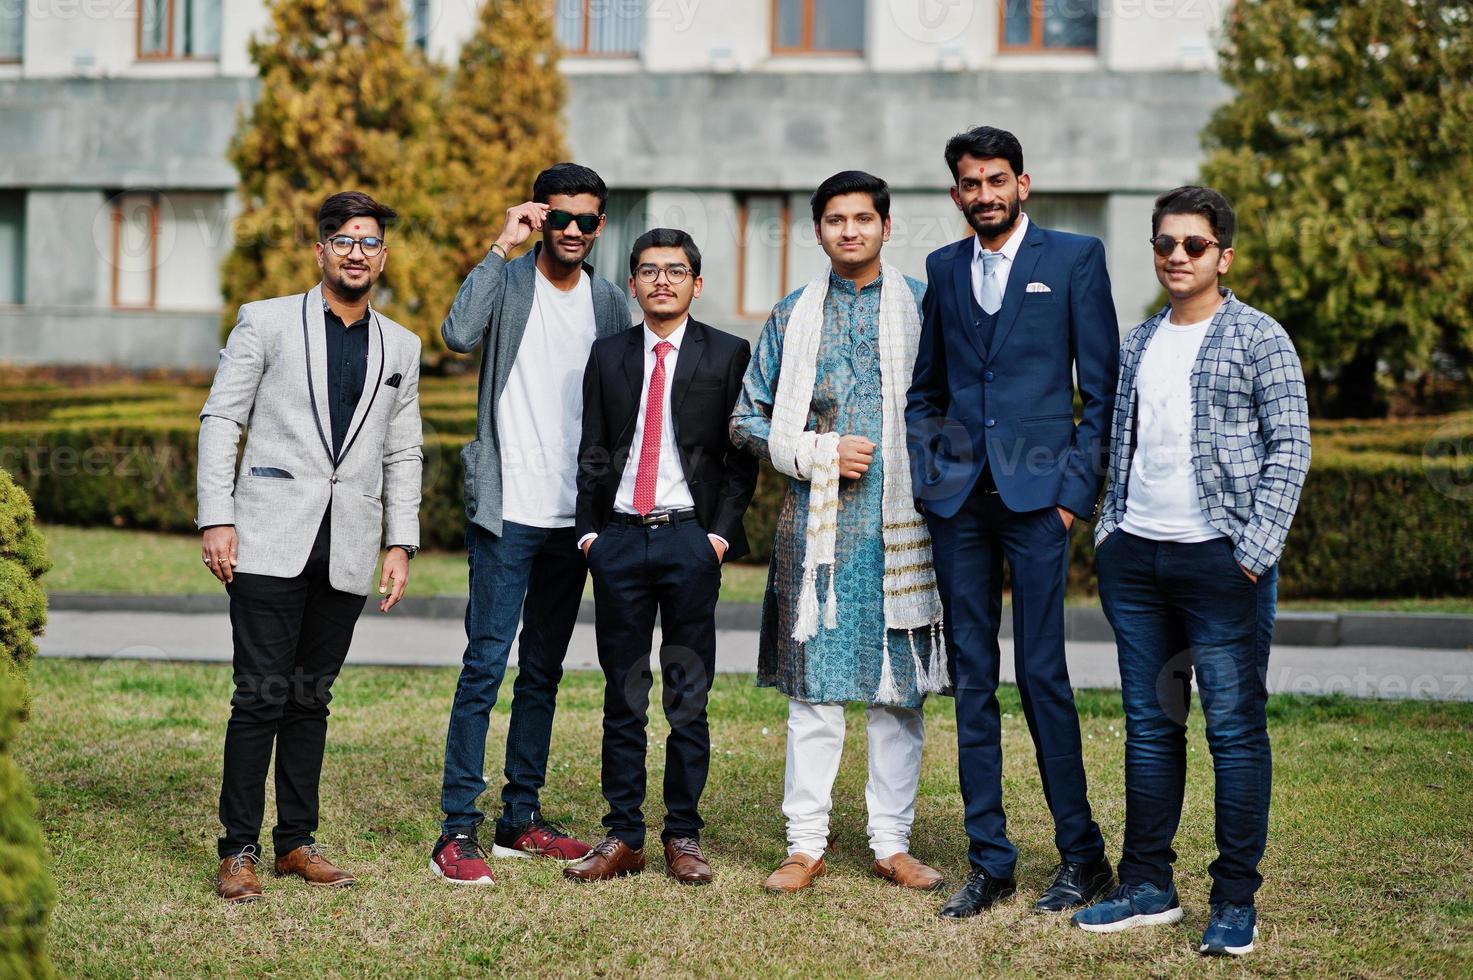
x,y
347,371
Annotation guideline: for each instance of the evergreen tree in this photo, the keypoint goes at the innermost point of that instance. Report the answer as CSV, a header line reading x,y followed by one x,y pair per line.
x,y
1348,153
344,105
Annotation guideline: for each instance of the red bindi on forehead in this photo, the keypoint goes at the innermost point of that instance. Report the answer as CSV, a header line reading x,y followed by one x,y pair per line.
x,y
357,227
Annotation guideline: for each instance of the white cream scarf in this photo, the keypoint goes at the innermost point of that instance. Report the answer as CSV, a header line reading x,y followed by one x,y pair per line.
x,y
911,599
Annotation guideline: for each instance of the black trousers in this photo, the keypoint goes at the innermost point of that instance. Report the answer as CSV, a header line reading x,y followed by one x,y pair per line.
x,y
638,571
291,636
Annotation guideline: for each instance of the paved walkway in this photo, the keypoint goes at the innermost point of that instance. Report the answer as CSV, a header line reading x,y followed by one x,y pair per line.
x,y
1357,671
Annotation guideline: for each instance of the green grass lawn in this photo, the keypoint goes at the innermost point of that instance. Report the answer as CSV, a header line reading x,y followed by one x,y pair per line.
x,y
1366,870
114,560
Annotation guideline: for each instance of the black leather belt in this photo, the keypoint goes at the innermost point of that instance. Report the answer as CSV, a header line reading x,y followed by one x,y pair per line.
x,y
651,520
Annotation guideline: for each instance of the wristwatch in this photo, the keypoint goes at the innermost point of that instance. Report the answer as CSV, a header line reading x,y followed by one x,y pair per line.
x,y
408,549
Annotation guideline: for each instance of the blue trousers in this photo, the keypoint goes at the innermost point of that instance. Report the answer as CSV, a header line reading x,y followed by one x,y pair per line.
x,y
1180,610
969,549
536,575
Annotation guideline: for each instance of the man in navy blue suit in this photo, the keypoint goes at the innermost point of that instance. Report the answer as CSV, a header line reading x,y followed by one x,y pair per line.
x,y
1001,469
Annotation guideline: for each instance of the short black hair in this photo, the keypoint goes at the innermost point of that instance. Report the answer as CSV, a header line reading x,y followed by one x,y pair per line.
x,y
985,143
666,238
569,179
852,182
340,208
1205,201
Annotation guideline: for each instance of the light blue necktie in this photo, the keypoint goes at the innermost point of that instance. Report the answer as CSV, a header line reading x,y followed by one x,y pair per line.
x,y
991,298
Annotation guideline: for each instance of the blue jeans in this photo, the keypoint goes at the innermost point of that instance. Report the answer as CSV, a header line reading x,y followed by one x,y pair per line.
x,y
1179,610
535,574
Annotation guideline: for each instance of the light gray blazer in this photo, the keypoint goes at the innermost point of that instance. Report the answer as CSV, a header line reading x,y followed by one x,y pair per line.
x,y
272,380
492,307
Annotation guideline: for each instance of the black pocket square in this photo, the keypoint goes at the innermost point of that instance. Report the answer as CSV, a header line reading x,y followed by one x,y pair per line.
x,y
273,472
394,380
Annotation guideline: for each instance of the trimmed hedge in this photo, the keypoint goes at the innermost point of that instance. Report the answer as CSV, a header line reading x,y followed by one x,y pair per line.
x,y
1387,511
26,892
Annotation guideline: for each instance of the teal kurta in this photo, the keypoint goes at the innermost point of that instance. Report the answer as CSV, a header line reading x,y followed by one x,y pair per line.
x,y
841,664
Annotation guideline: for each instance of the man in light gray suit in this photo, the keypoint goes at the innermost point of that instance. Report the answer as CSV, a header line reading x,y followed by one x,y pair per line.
x,y
534,319
329,389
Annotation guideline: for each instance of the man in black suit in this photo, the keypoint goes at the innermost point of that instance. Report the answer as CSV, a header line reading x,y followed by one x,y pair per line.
x,y
661,493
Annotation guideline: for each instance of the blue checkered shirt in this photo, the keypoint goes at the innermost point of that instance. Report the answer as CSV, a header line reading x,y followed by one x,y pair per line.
x,y
1250,432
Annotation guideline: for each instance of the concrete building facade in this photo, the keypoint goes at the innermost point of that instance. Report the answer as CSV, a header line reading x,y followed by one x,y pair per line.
x,y
116,197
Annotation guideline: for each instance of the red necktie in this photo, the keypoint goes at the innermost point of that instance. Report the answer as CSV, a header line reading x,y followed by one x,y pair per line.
x,y
648,474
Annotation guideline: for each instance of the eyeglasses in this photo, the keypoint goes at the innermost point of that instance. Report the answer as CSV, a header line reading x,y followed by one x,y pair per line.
x,y
558,220
674,274
1195,245
343,245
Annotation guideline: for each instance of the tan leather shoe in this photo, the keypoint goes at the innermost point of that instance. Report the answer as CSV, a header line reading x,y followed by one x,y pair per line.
x,y
610,858
237,881
796,873
307,863
903,870
685,862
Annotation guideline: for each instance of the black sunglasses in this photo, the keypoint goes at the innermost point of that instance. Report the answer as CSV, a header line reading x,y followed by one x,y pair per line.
x,y
558,220
1195,245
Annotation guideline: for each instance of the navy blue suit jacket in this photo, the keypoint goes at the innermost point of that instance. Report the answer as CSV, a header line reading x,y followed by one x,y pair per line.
x,y
1012,404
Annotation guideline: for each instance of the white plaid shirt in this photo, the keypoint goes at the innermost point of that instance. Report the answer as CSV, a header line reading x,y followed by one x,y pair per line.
x,y
1250,432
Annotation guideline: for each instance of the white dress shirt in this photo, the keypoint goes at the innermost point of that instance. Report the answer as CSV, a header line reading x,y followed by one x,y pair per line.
x,y
671,490
1009,251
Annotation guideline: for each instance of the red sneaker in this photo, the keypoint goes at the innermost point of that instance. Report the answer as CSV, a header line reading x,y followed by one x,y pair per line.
x,y
458,860
538,838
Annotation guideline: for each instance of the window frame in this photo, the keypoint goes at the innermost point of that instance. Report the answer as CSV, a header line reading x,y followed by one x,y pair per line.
x,y
582,50
1035,39
168,54
805,46
20,58
117,202
743,219
22,199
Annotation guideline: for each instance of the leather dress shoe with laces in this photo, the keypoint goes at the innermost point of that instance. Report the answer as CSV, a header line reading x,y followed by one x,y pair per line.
x,y
236,880
307,863
1075,885
980,893
685,863
610,858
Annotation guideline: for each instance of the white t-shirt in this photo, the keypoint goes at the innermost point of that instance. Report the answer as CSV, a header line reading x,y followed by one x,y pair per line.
x,y
1161,499
539,419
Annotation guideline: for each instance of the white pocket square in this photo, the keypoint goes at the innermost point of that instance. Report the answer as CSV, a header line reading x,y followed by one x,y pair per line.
x,y
1038,287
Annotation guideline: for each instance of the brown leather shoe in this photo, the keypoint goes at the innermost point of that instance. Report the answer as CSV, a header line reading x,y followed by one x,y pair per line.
x,y
903,870
237,881
685,863
796,873
307,863
610,858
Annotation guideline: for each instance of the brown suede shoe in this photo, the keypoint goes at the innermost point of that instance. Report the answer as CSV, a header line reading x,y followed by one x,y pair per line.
x,y
685,863
903,870
610,858
796,873
307,863
237,881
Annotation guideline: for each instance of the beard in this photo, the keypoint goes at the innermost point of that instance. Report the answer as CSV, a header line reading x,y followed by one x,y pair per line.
x,y
991,228
349,290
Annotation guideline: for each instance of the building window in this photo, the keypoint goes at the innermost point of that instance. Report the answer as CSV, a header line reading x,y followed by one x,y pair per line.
x,y
12,247
135,251
762,252
417,13
818,26
1050,25
624,221
179,29
12,31
1083,214
600,26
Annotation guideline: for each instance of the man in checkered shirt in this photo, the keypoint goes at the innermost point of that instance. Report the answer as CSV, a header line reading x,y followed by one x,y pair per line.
x,y
1209,453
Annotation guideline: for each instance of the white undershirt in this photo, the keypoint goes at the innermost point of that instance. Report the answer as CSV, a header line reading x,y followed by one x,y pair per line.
x,y
1009,251
539,418
1161,498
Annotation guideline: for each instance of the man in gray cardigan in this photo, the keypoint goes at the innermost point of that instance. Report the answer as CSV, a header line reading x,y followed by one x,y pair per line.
x,y
535,319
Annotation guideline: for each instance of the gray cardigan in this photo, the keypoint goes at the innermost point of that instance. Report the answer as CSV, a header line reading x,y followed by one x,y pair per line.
x,y
492,307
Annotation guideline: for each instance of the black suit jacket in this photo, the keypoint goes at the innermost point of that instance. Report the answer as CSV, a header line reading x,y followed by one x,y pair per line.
x,y
703,391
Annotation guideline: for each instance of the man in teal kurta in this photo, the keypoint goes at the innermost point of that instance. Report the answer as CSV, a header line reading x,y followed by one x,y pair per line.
x,y
852,655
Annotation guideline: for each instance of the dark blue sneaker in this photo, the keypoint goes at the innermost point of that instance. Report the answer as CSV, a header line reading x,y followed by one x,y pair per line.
x,y
1231,930
1129,906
